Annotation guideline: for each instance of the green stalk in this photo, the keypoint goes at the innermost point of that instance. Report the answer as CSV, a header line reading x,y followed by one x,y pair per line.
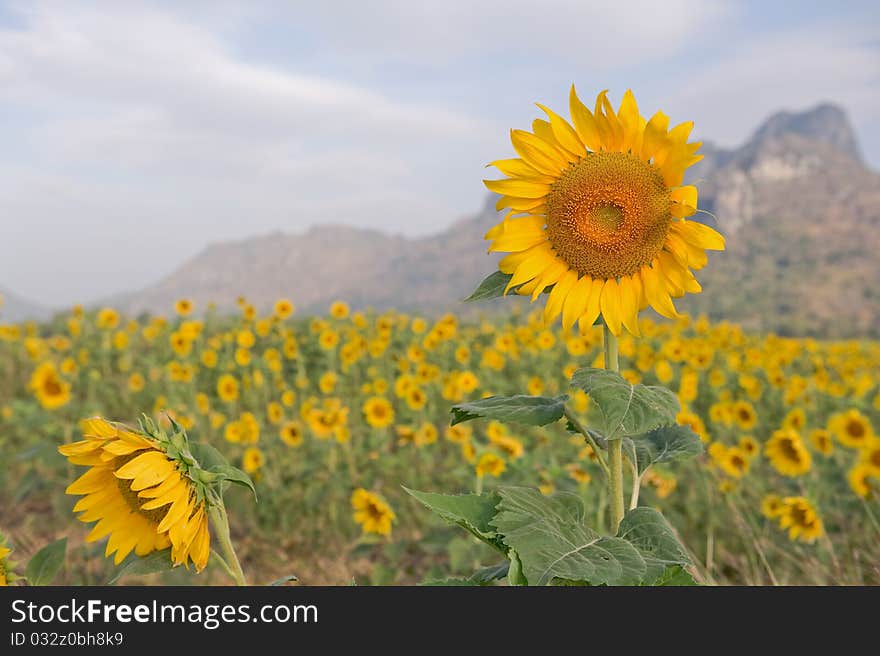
x,y
589,438
615,446
220,521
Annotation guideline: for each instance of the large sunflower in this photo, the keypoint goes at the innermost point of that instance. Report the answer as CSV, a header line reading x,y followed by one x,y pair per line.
x,y
598,214
138,495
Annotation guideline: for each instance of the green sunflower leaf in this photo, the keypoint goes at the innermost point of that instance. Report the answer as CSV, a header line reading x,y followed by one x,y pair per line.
x,y
664,444
284,579
207,456
675,576
483,576
520,409
493,286
552,542
649,532
44,566
234,475
621,409
472,512
158,561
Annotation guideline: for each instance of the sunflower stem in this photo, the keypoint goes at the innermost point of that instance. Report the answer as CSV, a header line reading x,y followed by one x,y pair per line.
x,y
223,564
220,520
636,486
589,438
615,446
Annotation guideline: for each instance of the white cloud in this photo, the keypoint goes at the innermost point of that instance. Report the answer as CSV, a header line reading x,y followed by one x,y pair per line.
x,y
603,34
134,134
786,70
143,129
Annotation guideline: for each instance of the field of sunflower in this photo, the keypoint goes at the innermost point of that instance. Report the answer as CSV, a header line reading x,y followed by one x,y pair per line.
x,y
330,415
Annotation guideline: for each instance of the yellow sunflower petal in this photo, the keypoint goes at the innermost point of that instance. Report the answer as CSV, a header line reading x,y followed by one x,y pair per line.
x,y
565,134
584,122
518,204
655,291
655,140
518,187
539,258
516,242
701,235
537,152
550,276
591,313
575,302
630,121
629,305
557,296
98,427
517,168
610,304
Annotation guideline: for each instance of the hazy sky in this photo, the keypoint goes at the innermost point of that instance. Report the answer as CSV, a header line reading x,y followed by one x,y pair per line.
x,y
133,134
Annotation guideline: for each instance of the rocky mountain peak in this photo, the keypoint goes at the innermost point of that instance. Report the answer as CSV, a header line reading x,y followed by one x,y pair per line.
x,y
825,123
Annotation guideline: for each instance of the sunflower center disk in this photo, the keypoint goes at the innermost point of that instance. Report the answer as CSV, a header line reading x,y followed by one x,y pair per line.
x,y
608,214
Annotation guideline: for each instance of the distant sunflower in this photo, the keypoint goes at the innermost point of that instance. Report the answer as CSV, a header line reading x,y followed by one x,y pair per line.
x,y
820,439
870,456
597,213
749,445
51,390
734,462
744,415
787,453
860,479
252,460
490,464
6,574
283,308
772,506
852,428
227,388
800,518
183,307
291,433
372,512
138,495
378,412
339,310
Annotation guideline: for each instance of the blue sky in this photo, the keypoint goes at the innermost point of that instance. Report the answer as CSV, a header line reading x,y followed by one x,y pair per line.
x,y
136,133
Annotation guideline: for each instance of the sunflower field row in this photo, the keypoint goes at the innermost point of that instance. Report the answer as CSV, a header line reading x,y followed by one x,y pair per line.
x,y
329,415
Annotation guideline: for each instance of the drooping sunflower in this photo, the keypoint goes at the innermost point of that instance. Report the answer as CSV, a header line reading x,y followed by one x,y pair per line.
x,y
597,213
138,495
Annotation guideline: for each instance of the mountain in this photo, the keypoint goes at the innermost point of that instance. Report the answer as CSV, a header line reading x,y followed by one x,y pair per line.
x,y
802,215
14,309
362,267
799,207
